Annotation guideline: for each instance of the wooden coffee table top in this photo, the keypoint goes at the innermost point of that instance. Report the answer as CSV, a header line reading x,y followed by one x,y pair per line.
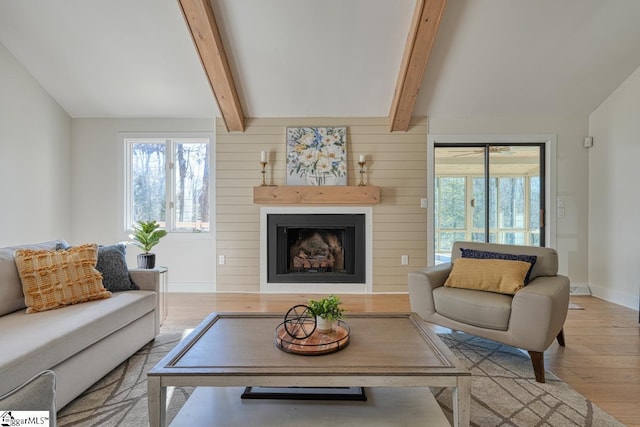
x,y
228,344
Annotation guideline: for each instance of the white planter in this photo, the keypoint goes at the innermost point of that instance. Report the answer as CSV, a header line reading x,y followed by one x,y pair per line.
x,y
323,325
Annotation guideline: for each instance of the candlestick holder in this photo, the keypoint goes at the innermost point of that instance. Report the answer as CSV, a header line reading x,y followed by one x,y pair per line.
x,y
362,172
264,174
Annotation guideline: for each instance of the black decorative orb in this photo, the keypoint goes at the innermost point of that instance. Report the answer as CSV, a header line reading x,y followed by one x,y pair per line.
x,y
300,322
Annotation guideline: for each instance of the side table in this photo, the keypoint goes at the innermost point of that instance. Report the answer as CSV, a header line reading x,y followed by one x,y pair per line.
x,y
163,304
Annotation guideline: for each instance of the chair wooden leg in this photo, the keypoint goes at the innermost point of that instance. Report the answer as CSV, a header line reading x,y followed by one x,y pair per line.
x,y
560,337
537,360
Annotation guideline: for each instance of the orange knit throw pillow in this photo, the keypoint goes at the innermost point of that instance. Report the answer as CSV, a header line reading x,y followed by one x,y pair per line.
x,y
55,278
493,275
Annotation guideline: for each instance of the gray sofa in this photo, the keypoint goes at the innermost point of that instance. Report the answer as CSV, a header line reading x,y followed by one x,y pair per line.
x,y
531,319
81,343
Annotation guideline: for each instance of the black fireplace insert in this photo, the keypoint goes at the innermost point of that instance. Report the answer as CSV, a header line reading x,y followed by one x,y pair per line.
x,y
316,248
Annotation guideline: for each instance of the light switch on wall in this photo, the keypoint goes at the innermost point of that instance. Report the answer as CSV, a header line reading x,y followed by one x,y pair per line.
x,y
560,207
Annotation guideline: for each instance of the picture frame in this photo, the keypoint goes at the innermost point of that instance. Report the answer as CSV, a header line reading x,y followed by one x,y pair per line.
x,y
316,156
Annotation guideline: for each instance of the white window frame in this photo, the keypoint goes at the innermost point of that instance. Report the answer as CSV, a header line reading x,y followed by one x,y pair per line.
x,y
168,138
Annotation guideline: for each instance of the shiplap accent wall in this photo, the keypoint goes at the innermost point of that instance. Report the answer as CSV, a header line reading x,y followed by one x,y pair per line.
x,y
396,163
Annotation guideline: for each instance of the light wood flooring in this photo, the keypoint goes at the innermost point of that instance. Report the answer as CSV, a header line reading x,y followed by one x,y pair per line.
x,y
601,359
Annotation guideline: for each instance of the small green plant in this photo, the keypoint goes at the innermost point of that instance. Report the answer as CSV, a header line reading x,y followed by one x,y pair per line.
x,y
147,234
327,308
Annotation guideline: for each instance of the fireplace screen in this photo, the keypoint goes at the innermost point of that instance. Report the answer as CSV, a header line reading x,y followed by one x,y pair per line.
x,y
316,248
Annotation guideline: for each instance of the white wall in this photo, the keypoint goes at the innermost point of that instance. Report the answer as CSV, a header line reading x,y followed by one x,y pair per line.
x,y
35,159
614,205
98,199
572,174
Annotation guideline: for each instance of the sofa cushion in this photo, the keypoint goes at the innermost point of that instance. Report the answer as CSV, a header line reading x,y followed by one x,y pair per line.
x,y
112,263
478,308
48,338
494,275
54,278
473,253
11,295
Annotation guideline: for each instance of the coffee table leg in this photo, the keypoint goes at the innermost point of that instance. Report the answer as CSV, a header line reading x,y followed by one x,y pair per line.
x,y
462,402
157,401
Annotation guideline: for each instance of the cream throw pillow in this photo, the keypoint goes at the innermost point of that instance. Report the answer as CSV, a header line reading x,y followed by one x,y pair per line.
x,y
52,279
494,275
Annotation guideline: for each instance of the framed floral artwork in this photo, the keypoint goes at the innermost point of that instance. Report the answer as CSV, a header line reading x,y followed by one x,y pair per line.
x,y
317,156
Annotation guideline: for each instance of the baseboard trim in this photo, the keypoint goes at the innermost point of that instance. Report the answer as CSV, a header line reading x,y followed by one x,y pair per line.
x,y
209,288
191,287
616,297
581,289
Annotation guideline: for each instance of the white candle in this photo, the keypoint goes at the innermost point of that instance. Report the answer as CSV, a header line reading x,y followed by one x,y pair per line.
x,y
361,160
263,157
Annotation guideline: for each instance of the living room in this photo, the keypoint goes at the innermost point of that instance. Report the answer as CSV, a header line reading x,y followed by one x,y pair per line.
x,y
73,85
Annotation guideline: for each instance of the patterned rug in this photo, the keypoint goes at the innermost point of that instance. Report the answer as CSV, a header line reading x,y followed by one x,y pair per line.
x,y
503,390
120,398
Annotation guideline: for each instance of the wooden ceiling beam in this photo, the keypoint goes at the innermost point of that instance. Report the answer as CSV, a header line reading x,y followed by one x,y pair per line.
x,y
424,26
206,37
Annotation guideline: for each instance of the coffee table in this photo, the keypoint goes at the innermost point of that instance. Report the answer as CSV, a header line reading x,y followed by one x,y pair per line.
x,y
237,349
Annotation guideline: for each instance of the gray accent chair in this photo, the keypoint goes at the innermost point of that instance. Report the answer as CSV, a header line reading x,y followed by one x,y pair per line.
x,y
531,319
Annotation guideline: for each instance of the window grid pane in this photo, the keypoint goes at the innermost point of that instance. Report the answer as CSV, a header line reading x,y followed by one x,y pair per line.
x,y
479,203
534,202
451,203
191,186
512,203
148,170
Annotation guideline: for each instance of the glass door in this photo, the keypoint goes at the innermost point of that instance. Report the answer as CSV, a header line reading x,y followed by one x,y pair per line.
x,y
488,193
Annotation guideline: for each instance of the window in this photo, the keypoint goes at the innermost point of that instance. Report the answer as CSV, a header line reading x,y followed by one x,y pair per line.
x,y
168,180
450,211
487,193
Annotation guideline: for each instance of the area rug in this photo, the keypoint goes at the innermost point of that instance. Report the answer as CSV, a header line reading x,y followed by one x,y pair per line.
x,y
120,398
503,390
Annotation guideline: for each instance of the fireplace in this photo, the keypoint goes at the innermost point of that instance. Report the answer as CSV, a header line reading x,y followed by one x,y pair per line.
x,y
315,249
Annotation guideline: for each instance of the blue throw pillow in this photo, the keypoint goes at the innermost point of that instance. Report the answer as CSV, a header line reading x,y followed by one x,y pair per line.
x,y
473,253
112,263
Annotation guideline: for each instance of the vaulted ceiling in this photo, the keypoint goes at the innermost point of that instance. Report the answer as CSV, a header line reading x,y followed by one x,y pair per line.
x,y
293,58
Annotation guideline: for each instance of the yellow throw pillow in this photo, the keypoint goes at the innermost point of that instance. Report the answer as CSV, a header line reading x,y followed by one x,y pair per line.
x,y
52,279
494,275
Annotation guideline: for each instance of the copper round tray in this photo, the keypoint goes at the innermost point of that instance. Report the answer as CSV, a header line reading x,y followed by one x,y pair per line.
x,y
317,343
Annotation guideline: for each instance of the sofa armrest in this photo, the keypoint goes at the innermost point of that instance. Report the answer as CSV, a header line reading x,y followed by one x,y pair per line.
x,y
149,280
146,279
538,311
421,285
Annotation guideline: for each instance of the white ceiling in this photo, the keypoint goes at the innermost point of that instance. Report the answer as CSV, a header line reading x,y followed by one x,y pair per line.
x,y
124,58
109,58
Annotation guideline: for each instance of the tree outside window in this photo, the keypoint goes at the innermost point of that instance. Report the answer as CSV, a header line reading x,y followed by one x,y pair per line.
x,y
168,180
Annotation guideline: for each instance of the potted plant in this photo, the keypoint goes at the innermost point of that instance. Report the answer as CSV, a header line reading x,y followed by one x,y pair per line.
x,y
147,234
327,311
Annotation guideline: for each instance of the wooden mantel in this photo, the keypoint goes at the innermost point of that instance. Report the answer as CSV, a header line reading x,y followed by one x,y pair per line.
x,y
316,195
